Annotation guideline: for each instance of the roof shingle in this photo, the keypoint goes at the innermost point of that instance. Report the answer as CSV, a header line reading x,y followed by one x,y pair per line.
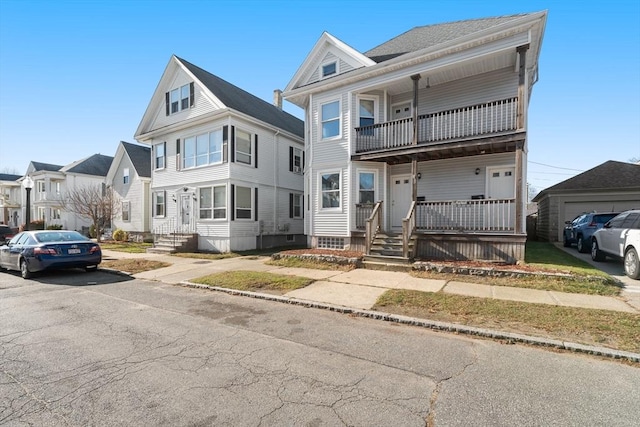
x,y
140,157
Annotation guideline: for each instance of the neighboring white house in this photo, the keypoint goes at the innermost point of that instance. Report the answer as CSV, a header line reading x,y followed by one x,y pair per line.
x,y
10,199
52,182
226,165
421,140
130,178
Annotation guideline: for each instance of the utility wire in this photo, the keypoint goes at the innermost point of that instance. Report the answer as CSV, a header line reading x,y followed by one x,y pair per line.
x,y
556,167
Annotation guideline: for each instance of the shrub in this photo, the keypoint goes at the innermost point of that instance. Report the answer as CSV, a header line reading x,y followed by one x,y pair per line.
x,y
92,231
120,235
54,227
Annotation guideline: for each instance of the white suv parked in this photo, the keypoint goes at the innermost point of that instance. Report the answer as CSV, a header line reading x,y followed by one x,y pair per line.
x,y
620,238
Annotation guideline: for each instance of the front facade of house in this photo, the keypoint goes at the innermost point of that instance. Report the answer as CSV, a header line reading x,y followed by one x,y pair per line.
x,y
130,178
10,199
225,165
423,138
51,183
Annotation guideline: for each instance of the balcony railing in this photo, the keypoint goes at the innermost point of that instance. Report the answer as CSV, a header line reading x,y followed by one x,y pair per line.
x,y
489,215
464,122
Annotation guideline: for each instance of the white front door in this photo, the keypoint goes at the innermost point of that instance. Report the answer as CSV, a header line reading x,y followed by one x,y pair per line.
x,y
501,185
401,111
400,199
185,209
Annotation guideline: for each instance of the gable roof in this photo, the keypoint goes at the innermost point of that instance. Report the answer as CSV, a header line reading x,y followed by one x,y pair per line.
x,y
9,177
419,38
97,165
140,158
607,176
37,166
237,99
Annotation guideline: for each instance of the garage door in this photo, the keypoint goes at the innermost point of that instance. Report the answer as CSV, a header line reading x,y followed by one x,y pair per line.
x,y
572,210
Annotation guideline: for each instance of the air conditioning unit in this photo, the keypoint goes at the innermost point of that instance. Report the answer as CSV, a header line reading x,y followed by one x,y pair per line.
x,y
296,169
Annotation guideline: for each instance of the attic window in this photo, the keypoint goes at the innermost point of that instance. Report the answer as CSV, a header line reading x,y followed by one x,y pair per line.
x,y
329,69
179,99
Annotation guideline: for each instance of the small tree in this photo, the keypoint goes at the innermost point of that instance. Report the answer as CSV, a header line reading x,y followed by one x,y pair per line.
x,y
97,203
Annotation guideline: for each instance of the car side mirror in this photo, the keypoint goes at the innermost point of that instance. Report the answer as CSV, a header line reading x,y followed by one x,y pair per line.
x,y
567,222
607,225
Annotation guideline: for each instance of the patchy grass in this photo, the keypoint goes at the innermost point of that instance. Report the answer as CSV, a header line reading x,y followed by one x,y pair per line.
x,y
129,247
133,266
592,327
545,256
206,255
309,263
575,284
255,281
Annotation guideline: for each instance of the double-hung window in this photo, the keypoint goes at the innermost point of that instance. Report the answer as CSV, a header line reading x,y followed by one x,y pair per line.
x,y
213,202
367,116
243,146
366,187
126,211
204,149
330,116
295,208
330,190
243,202
179,98
295,162
159,153
159,203
125,176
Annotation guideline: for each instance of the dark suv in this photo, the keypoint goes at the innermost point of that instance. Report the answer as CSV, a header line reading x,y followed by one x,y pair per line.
x,y
6,233
580,230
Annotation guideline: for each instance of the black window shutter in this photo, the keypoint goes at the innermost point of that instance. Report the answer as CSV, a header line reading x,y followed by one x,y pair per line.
x,y
255,154
290,205
233,144
166,103
178,162
255,204
302,205
191,91
233,202
290,159
302,159
225,144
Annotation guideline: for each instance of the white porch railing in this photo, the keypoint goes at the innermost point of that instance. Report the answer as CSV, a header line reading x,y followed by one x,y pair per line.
x,y
463,122
488,215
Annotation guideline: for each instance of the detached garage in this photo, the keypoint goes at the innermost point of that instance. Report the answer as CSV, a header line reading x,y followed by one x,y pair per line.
x,y
610,187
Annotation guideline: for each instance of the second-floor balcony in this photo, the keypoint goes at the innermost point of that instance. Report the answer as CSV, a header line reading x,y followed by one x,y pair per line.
x,y
473,121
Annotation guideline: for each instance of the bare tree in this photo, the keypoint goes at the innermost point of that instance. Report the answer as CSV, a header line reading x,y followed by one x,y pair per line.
x,y
97,203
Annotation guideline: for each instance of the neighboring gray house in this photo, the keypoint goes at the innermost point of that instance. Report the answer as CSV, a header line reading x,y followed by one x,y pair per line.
x,y
130,178
418,147
52,182
610,187
10,199
226,165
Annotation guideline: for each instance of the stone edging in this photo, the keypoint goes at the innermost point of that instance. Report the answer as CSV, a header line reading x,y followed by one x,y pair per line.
x,y
431,324
333,259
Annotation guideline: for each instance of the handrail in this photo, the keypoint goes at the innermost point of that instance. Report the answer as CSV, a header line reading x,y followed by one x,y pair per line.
x,y
172,227
375,220
408,227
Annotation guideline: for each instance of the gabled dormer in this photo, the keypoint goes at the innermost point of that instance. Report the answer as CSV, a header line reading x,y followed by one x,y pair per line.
x,y
329,58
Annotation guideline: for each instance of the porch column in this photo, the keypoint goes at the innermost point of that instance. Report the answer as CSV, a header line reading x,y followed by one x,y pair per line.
x,y
519,226
414,162
522,104
416,79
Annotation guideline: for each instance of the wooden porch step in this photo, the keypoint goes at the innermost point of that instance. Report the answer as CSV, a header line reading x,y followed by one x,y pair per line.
x,y
390,263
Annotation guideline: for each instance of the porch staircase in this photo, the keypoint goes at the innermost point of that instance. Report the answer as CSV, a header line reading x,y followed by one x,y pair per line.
x,y
174,242
386,248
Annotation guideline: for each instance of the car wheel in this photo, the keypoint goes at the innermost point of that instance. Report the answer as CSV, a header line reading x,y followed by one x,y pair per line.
x,y
565,241
596,253
580,245
91,268
632,263
24,270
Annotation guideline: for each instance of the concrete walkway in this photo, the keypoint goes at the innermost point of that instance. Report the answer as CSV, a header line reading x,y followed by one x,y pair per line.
x,y
361,288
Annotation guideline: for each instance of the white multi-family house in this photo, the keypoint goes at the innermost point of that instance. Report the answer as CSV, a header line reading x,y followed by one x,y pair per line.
x,y
418,147
130,178
10,199
51,183
226,165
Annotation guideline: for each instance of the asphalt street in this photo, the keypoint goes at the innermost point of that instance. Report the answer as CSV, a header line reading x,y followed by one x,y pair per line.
x,y
100,349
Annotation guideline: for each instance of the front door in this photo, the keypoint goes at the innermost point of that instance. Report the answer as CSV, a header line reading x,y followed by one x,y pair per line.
x,y
400,199
185,209
401,133
501,185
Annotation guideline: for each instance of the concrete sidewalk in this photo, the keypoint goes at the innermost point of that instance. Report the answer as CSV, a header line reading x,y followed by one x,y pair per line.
x,y
360,288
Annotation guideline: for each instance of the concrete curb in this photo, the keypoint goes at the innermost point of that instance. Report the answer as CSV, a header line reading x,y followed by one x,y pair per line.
x,y
430,324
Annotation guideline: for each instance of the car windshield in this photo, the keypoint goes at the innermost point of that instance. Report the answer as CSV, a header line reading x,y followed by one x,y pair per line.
x,y
59,236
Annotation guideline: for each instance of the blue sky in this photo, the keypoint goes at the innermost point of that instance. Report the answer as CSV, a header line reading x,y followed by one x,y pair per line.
x,y
77,76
